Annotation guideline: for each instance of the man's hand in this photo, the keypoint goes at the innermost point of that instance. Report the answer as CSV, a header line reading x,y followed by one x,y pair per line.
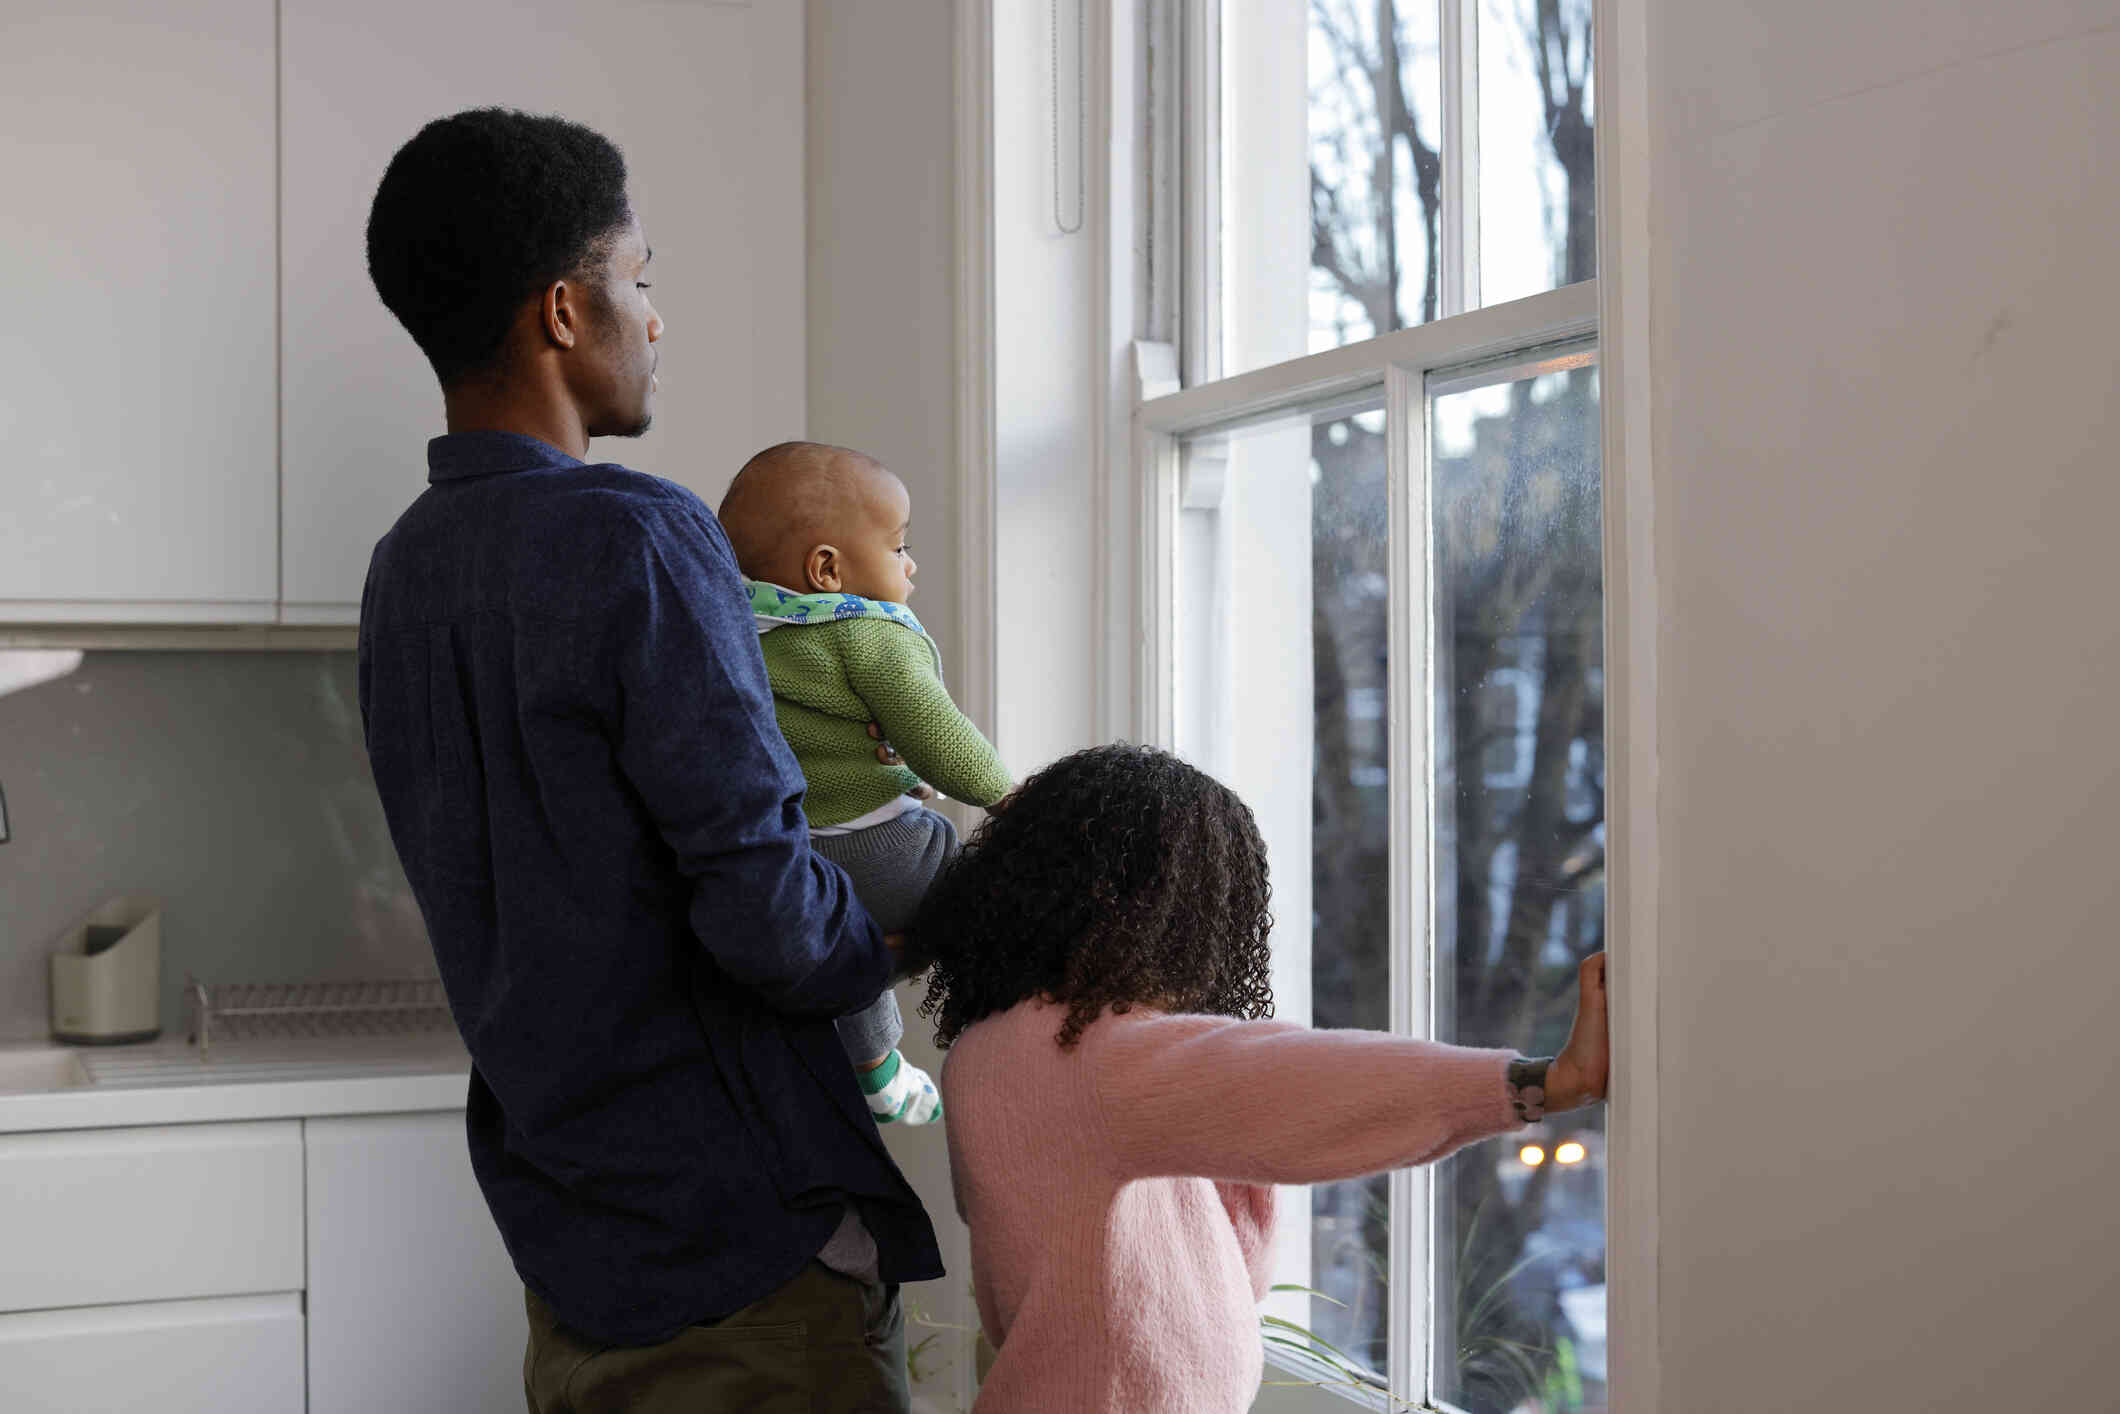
x,y
890,757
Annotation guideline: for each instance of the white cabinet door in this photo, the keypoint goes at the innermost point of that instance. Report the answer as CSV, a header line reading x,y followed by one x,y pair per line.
x,y
705,100
413,1303
137,382
233,1353
96,1216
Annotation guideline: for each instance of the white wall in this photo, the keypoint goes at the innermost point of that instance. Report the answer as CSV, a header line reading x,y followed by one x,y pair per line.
x,y
882,377
1884,303
1047,395
231,786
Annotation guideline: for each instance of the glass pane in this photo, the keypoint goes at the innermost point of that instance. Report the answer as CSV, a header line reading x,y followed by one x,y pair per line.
x,y
1537,172
1332,174
1519,1294
1282,622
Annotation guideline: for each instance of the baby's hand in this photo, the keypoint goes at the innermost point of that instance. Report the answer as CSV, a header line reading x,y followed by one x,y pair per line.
x,y
889,756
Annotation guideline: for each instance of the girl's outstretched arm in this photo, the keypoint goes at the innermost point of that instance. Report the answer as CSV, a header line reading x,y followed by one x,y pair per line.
x,y
1274,1102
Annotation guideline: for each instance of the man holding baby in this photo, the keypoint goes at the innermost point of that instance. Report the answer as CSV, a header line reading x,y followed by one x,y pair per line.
x,y
572,733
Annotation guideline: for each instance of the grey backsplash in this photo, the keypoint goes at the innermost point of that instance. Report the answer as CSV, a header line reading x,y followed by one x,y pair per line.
x,y
233,786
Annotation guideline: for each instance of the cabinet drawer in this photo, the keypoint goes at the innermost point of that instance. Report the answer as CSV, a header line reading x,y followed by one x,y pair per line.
x,y
94,1217
174,1357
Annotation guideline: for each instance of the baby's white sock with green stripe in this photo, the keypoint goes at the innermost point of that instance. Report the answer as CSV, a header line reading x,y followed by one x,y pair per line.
x,y
901,1093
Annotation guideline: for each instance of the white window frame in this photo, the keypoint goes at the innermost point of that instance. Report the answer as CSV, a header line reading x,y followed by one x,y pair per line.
x,y
1401,362
1175,389
1129,358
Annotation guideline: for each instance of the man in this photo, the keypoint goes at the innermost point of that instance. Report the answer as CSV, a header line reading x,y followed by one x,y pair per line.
x,y
574,740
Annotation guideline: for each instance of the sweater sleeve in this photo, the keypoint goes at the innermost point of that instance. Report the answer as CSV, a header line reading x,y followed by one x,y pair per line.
x,y
892,670
1274,1102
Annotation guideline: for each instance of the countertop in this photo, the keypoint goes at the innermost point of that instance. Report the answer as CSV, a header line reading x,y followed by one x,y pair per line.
x,y
165,1082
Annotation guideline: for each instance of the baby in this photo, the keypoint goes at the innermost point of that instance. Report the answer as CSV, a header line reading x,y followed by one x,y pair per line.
x,y
819,533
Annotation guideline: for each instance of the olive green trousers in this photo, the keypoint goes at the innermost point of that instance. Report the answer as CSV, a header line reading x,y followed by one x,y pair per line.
x,y
823,1344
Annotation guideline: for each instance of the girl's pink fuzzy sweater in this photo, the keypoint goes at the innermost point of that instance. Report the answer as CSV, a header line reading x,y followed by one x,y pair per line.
x,y
1118,1192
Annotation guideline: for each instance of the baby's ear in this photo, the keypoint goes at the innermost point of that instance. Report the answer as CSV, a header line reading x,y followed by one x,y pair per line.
x,y
821,568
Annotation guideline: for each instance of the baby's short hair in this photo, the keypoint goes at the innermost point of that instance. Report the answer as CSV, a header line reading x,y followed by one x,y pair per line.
x,y
791,490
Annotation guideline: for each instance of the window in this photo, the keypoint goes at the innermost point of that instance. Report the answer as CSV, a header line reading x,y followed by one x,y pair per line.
x,y
1372,603
1518,865
1383,164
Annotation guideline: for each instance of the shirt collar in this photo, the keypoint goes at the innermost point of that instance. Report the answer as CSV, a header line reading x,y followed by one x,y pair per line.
x,y
463,454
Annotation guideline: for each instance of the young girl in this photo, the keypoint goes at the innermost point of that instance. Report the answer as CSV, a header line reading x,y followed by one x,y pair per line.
x,y
1117,1112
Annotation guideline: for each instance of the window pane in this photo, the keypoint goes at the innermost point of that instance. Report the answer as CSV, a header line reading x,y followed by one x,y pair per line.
x,y
1332,178
1519,888
1538,214
1282,687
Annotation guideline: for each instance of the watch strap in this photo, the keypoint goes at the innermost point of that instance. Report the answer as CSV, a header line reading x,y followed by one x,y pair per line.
x,y
1526,1084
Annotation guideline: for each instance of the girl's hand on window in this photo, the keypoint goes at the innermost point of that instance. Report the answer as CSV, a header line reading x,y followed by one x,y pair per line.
x,y
1581,1073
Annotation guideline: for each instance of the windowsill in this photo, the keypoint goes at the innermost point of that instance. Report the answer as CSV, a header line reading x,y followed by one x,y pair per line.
x,y
1294,1381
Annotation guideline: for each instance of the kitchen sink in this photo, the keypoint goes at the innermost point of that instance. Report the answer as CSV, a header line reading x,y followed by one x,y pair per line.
x,y
29,1069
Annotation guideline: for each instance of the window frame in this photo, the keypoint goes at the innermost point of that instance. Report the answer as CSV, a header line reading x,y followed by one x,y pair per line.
x,y
1402,363
1177,390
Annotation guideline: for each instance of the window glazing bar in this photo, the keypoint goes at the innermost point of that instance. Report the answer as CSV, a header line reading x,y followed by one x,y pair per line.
x,y
1556,357
1409,770
1503,329
1460,36
1200,176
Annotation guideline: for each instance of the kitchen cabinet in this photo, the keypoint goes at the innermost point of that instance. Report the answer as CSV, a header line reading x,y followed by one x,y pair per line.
x,y
157,1267
163,1212
210,418
413,1303
706,103
137,426
174,1357
331,1263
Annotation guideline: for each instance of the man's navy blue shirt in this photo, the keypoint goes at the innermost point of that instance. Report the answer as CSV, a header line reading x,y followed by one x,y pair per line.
x,y
572,733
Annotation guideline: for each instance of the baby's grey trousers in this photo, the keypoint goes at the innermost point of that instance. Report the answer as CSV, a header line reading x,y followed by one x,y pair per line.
x,y
891,865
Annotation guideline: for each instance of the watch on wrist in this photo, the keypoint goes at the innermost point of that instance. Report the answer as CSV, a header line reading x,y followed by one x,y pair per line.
x,y
1527,1087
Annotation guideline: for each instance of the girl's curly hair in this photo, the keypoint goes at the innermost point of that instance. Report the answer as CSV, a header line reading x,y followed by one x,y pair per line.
x,y
1114,877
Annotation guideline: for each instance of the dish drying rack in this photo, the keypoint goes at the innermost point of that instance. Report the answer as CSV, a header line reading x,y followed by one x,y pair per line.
x,y
233,1011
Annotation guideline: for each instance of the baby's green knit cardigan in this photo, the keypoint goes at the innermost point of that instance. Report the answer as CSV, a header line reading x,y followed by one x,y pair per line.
x,y
831,679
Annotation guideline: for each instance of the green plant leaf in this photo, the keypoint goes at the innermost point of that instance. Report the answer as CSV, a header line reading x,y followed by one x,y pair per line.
x,y
1308,1291
1316,1340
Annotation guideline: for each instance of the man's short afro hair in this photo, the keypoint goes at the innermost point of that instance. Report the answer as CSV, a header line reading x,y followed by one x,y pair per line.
x,y
480,211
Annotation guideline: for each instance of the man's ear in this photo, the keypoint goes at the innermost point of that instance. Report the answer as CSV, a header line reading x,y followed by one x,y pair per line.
x,y
561,312
821,568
